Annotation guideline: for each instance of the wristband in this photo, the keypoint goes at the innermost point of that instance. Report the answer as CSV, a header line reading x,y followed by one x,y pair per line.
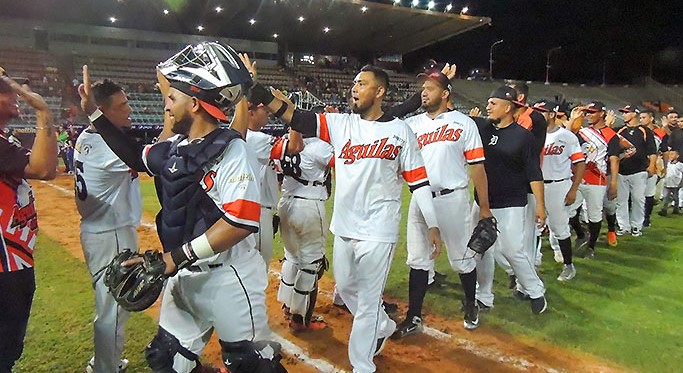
x,y
202,248
261,95
281,111
183,256
96,114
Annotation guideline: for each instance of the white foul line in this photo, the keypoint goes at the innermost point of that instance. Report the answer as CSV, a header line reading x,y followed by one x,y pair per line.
x,y
288,347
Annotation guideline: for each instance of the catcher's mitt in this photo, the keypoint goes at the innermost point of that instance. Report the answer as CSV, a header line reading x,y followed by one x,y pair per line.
x,y
135,287
484,235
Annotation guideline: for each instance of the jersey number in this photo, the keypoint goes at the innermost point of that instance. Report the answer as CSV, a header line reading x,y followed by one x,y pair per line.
x,y
81,190
291,165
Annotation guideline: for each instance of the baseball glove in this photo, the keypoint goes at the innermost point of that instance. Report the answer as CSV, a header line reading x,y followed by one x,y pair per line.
x,y
135,287
484,235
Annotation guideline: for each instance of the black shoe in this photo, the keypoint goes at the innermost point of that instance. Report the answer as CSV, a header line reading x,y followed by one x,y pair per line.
x,y
539,305
646,223
471,316
662,213
380,345
482,307
590,253
342,307
513,282
408,327
519,295
390,308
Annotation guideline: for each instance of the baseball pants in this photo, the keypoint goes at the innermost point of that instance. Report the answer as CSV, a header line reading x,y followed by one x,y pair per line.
x,y
303,227
558,213
529,234
610,206
595,197
510,245
632,186
360,270
230,299
670,194
17,290
264,237
455,234
651,186
110,320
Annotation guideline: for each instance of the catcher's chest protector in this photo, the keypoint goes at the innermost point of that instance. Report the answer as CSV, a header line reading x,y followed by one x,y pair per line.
x,y
186,210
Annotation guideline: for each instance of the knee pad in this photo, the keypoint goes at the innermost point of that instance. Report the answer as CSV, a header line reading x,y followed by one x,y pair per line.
x,y
252,357
161,352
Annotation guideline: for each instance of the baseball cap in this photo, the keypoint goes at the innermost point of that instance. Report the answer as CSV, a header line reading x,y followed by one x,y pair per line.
x,y
438,77
630,109
505,93
594,107
545,106
209,99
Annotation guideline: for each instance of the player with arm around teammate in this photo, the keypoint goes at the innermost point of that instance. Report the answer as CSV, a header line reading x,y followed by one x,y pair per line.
x,y
563,167
210,210
449,141
511,165
109,201
374,153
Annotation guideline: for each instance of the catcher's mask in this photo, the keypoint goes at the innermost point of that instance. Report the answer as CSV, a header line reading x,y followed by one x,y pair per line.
x,y
211,72
133,287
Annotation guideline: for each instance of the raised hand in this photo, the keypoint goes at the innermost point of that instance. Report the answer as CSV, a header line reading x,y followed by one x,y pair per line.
x,y
85,91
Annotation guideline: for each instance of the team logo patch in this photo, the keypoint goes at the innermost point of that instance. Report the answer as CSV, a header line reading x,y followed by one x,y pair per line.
x,y
378,149
494,140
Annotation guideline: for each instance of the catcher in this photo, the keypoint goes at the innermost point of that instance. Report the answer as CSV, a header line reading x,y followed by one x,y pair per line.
x,y
210,208
449,143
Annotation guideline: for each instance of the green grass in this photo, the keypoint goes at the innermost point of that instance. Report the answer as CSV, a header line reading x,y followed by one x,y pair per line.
x,y
59,336
625,306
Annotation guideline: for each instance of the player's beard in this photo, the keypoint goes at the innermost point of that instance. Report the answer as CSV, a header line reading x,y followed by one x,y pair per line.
x,y
431,107
356,109
182,126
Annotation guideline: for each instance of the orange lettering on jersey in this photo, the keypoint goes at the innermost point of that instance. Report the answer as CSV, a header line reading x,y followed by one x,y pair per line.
x,y
25,217
442,133
209,180
378,149
552,149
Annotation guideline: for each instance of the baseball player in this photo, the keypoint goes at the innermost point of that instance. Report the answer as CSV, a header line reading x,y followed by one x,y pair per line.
x,y
266,149
448,141
563,168
18,214
304,227
109,201
511,164
601,145
635,167
647,119
210,210
672,183
373,153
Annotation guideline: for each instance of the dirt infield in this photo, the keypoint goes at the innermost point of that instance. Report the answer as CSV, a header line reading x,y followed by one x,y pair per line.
x,y
448,347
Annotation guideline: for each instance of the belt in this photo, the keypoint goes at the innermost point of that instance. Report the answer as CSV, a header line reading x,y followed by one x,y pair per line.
x,y
204,267
442,192
308,199
554,181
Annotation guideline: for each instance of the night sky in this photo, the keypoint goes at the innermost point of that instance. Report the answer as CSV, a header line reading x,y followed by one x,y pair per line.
x,y
629,35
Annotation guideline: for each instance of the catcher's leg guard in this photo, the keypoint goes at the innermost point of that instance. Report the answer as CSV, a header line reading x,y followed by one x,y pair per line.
x,y
161,352
305,284
287,278
252,357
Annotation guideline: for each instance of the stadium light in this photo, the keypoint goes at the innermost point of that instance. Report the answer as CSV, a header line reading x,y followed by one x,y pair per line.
x,y
491,58
465,10
301,18
397,2
416,2
112,19
200,28
547,64
431,5
166,12
252,21
219,9
275,36
326,30
364,9
449,7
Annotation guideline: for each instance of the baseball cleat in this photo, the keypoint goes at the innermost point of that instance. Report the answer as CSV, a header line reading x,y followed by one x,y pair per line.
x,y
512,281
612,239
408,327
471,321
590,253
482,307
316,323
380,345
123,364
285,311
519,295
622,232
580,244
539,305
636,232
568,273
558,257
390,308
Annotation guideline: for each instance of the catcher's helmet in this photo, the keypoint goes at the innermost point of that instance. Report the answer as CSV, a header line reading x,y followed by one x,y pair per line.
x,y
133,287
211,72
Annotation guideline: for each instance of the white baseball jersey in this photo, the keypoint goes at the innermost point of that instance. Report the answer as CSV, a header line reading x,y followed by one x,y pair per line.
x,y
674,174
266,149
230,182
561,150
107,190
447,143
599,145
370,159
305,172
